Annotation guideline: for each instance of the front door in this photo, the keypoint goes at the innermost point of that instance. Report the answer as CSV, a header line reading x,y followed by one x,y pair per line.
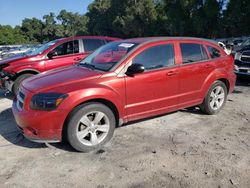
x,y
65,54
155,90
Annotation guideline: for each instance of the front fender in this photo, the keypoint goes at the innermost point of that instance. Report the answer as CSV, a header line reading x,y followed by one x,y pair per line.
x,y
19,69
78,97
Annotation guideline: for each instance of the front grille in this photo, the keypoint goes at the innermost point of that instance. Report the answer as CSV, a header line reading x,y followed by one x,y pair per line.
x,y
245,56
243,70
20,100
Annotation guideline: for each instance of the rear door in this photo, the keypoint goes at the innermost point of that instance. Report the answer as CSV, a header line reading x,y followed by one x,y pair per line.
x,y
194,70
155,90
67,53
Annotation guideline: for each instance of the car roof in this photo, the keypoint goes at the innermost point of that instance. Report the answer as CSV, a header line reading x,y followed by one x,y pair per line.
x,y
91,37
155,39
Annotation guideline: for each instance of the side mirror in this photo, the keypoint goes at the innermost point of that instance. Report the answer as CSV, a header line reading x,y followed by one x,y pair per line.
x,y
134,69
51,54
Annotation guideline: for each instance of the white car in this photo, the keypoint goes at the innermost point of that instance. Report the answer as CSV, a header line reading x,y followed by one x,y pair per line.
x,y
14,52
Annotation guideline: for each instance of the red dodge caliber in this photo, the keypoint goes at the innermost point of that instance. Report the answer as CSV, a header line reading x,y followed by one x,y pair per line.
x,y
120,82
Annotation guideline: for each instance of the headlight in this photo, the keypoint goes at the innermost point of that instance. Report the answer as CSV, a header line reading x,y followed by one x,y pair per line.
x,y
47,101
237,56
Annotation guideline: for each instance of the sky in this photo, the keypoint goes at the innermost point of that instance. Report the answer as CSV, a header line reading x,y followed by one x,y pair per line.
x,y
12,12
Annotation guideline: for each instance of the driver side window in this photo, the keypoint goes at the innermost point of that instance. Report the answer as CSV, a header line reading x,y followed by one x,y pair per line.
x,y
67,48
156,57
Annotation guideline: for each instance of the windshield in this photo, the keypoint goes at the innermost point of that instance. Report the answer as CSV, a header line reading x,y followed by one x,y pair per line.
x,y
42,48
105,57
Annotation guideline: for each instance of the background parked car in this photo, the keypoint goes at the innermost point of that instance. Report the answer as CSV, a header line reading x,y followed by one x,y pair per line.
x,y
14,52
244,46
242,62
55,54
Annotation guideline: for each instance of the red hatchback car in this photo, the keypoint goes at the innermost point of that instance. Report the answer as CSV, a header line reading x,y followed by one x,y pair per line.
x,y
120,82
55,54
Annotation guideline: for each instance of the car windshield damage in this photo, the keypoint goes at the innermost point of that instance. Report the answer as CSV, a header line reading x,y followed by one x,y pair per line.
x,y
42,48
107,56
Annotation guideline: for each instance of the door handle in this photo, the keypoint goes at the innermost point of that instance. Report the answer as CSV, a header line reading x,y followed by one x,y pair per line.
x,y
207,66
172,73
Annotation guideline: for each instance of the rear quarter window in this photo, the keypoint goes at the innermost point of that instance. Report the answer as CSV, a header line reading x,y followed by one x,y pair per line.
x,y
214,53
192,52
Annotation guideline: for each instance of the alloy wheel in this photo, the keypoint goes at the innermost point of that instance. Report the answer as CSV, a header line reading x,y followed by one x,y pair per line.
x,y
93,128
217,97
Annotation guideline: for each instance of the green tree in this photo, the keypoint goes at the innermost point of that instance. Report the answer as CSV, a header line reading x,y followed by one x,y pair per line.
x,y
71,24
206,19
236,16
32,29
129,18
134,18
100,22
138,18
50,27
9,35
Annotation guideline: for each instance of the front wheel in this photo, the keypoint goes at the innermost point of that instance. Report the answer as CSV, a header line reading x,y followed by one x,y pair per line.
x,y
215,98
90,126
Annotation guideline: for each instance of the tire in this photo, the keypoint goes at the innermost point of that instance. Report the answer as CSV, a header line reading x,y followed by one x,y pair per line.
x,y
85,127
213,101
18,81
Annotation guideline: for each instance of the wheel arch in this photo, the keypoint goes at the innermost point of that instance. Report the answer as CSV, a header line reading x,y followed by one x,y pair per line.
x,y
226,82
26,71
103,101
218,74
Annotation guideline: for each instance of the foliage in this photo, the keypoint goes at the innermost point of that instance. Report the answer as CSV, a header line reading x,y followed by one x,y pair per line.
x,y
9,35
138,18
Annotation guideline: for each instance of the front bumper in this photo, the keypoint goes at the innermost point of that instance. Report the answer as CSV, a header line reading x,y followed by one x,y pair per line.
x,y
40,126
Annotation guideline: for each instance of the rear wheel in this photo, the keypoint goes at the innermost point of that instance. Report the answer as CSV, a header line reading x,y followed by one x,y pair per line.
x,y
18,81
215,98
90,127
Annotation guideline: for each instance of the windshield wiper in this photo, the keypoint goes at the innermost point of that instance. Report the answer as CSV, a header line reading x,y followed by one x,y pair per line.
x,y
88,65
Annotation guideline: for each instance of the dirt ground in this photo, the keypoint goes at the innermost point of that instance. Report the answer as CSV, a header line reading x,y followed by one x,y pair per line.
x,y
181,149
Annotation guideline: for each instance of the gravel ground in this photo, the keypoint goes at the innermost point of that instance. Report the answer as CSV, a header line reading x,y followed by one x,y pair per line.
x,y
180,149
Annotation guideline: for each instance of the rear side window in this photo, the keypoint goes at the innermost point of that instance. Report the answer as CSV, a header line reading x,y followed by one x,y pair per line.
x,y
193,53
214,53
67,48
156,57
92,44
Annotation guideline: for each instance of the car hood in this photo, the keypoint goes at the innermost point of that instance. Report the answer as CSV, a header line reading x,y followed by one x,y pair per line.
x,y
58,78
12,59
